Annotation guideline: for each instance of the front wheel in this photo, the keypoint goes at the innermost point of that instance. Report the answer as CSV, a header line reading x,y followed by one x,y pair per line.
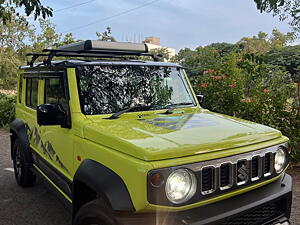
x,y
94,213
23,174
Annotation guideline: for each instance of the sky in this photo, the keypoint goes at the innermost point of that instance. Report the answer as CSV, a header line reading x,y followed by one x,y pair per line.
x,y
179,23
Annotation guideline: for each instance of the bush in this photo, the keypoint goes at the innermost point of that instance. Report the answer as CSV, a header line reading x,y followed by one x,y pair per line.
x,y
7,109
249,89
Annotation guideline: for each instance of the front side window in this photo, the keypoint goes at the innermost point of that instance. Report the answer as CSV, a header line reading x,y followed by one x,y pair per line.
x,y
32,92
110,89
54,92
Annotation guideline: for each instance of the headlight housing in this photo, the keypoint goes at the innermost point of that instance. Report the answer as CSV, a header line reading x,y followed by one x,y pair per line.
x,y
280,160
181,186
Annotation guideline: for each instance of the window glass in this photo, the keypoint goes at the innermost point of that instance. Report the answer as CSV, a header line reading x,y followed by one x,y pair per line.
x,y
54,92
110,89
32,92
28,91
20,89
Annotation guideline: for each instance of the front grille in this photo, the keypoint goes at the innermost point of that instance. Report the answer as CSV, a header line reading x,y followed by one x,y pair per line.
x,y
217,176
258,216
221,176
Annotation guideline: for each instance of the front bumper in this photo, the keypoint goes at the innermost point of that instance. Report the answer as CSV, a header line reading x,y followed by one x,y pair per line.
x,y
267,205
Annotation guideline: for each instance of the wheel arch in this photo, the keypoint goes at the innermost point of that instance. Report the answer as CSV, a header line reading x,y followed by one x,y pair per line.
x,y
100,182
18,129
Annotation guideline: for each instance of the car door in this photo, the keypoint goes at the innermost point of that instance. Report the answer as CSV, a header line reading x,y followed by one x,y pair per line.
x,y
28,114
57,144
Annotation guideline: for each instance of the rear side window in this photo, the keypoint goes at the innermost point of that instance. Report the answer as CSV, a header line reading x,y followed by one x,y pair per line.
x,y
20,89
32,85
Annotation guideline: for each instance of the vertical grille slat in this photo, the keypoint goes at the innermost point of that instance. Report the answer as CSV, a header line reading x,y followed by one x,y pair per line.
x,y
225,175
267,164
208,180
226,179
255,168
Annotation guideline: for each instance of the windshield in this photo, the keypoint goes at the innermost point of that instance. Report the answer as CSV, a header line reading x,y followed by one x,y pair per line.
x,y
109,89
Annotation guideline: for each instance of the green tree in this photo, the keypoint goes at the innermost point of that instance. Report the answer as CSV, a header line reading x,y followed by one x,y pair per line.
x,y
162,53
47,38
68,39
35,7
284,9
224,48
263,43
17,38
199,60
255,44
106,35
13,44
287,57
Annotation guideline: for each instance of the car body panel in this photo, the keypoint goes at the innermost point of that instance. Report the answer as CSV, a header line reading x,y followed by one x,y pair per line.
x,y
187,132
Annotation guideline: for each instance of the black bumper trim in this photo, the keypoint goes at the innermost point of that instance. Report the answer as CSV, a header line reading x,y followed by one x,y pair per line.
x,y
217,213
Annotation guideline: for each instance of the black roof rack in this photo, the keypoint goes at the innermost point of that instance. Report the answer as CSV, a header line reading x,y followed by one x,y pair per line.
x,y
93,49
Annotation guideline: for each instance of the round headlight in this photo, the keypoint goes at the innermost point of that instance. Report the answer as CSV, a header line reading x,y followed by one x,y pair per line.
x,y
180,186
280,160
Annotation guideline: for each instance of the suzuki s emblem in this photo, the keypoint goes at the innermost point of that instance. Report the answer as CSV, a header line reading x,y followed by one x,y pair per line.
x,y
242,172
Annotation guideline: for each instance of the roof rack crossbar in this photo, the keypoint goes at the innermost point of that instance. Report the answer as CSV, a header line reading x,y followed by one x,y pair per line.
x,y
85,54
82,53
34,58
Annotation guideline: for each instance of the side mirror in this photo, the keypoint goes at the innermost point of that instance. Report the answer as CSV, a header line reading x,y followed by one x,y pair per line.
x,y
51,114
200,99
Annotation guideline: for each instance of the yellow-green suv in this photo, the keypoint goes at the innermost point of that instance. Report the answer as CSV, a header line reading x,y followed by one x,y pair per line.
x,y
124,141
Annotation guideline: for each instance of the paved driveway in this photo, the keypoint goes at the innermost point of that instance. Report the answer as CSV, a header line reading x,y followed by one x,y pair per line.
x,y
38,206
26,206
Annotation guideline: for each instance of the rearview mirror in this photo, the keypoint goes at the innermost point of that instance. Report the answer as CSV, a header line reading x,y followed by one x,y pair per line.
x,y
51,114
200,99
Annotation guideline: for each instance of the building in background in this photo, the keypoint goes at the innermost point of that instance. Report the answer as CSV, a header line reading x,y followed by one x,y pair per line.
x,y
154,43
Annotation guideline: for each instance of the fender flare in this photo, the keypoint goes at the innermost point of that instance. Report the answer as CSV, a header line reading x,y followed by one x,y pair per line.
x,y
19,128
105,181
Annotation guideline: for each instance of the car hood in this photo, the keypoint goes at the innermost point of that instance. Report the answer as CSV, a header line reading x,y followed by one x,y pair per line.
x,y
160,136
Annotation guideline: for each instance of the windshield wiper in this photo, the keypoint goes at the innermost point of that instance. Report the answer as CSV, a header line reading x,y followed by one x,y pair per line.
x,y
173,106
117,114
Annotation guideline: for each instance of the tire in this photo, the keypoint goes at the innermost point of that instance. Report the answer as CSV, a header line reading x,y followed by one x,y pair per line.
x,y
94,213
23,174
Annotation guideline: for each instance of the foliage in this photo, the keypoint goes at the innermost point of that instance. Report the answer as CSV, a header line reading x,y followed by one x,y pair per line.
x,y
13,37
243,83
162,53
262,43
17,39
106,35
224,48
8,9
196,62
288,57
285,9
7,109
